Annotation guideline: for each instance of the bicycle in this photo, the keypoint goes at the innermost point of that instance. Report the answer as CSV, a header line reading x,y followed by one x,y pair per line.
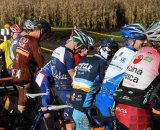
x,y
40,115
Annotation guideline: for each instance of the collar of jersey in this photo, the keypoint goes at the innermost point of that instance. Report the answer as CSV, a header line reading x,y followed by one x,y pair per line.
x,y
131,47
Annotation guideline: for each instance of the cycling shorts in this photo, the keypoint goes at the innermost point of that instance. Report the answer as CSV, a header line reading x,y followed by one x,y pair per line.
x,y
64,99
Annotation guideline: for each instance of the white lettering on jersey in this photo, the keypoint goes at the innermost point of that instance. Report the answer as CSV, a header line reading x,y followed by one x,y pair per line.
x,y
84,67
119,64
143,69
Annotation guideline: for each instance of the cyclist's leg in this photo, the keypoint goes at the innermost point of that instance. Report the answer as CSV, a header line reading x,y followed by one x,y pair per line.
x,y
64,98
80,120
22,98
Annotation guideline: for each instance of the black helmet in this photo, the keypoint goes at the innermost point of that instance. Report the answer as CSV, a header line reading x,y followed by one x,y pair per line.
x,y
110,43
108,47
43,24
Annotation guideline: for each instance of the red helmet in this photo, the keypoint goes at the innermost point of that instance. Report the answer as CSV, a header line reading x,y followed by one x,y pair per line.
x,y
15,28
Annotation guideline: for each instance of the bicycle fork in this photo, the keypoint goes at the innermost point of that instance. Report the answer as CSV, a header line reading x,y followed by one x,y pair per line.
x,y
38,120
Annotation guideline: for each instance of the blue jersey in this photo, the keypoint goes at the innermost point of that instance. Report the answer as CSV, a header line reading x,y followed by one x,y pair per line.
x,y
57,68
88,76
113,76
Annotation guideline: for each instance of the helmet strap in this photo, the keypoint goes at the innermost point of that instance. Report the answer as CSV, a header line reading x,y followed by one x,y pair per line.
x,y
134,42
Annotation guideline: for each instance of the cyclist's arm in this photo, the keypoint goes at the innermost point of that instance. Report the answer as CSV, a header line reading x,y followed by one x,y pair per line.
x,y
102,69
37,55
69,63
71,73
2,47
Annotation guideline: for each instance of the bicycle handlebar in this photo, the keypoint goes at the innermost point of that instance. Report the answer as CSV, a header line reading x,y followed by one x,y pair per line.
x,y
35,95
58,107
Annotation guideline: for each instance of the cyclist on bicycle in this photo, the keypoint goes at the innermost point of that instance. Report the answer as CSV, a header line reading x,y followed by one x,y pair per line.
x,y
141,78
28,57
134,37
61,69
89,75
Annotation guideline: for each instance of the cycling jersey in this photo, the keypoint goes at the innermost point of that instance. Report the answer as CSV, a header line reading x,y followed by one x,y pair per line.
x,y
141,78
88,76
113,76
5,47
28,57
61,61
57,68
77,58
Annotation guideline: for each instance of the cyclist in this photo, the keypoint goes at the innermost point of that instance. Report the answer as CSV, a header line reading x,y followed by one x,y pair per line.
x,y
28,57
134,37
141,78
5,52
15,36
61,69
6,48
88,76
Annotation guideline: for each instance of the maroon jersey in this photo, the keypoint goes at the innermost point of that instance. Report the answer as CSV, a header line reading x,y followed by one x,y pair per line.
x,y
28,57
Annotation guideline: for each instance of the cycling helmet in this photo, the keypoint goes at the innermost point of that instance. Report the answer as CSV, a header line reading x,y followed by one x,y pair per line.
x,y
91,41
43,24
81,38
132,31
15,28
29,25
153,32
108,47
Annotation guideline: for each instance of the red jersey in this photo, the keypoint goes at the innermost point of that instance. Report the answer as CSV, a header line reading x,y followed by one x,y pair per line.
x,y
77,58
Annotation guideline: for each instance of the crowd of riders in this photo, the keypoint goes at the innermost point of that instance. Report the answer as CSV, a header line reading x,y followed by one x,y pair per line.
x,y
121,82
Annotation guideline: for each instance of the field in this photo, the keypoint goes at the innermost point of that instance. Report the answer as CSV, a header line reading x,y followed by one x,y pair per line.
x,y
88,14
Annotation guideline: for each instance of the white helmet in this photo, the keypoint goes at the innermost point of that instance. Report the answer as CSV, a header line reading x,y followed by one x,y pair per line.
x,y
153,32
29,25
91,41
80,37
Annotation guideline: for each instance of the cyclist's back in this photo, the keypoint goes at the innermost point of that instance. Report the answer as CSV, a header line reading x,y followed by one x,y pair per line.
x,y
115,72
89,75
27,56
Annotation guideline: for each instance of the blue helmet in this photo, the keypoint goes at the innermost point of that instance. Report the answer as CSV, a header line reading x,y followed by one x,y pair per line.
x,y
132,31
